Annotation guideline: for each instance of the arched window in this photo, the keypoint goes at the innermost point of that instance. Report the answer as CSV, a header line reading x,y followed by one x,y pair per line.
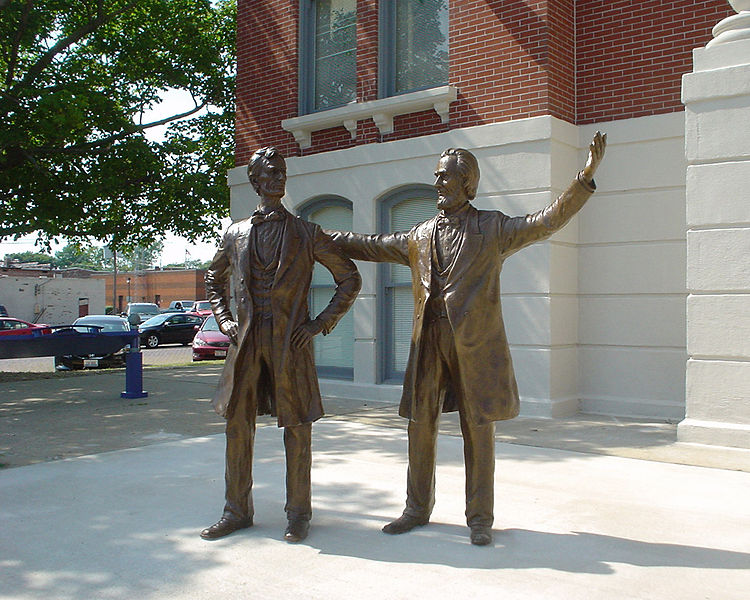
x,y
400,211
334,353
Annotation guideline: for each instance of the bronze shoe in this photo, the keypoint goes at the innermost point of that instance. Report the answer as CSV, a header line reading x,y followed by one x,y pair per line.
x,y
481,535
296,530
225,526
405,523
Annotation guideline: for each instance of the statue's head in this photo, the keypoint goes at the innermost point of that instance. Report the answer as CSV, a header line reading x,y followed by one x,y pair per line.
x,y
267,172
456,178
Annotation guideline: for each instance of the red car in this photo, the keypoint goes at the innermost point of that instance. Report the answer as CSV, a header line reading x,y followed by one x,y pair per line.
x,y
11,326
203,308
209,342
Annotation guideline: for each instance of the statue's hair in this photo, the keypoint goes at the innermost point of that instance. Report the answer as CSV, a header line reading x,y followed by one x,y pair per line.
x,y
468,167
256,162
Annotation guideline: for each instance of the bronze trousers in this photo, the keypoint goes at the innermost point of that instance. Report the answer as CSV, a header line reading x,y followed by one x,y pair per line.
x,y
258,369
438,372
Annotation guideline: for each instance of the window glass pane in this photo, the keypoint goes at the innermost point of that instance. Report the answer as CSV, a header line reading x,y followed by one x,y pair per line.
x,y
337,348
401,317
416,206
329,217
335,53
421,44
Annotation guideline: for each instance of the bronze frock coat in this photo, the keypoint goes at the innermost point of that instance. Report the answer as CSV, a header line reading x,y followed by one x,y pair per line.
x,y
296,393
472,298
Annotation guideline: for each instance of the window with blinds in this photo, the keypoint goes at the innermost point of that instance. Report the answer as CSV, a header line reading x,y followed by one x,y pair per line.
x,y
401,212
328,54
334,353
414,49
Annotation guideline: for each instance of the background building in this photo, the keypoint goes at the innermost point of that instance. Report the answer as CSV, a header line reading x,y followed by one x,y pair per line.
x,y
51,297
362,96
158,286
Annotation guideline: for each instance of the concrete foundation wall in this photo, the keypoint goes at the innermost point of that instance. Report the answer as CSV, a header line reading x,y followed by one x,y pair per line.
x,y
631,264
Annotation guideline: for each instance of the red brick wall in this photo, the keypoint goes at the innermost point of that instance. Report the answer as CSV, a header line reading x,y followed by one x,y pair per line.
x,y
561,67
266,75
146,285
632,55
579,60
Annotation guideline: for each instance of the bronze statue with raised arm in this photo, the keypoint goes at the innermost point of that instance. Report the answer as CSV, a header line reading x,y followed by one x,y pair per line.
x,y
459,357
269,367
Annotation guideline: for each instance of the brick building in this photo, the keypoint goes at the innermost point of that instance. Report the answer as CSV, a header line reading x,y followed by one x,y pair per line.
x,y
158,286
362,96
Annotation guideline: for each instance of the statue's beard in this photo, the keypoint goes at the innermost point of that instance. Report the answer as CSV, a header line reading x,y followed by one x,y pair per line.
x,y
449,203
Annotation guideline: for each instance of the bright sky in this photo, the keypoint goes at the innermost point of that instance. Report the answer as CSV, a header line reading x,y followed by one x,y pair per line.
x,y
174,247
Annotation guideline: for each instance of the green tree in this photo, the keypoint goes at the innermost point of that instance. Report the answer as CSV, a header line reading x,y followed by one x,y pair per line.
x,y
76,78
190,264
27,257
84,257
139,258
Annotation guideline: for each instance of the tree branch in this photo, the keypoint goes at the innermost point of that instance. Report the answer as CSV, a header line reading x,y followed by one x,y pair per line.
x,y
17,41
44,61
91,146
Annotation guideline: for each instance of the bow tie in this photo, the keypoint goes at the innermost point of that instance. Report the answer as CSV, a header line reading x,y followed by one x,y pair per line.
x,y
261,217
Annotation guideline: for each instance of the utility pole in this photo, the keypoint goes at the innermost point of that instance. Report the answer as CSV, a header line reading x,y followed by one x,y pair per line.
x,y
115,308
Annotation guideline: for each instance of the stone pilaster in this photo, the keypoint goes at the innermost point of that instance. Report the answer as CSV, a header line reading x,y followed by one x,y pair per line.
x,y
717,143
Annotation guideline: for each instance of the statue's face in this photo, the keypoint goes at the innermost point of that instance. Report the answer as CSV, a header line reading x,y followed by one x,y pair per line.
x,y
449,183
272,178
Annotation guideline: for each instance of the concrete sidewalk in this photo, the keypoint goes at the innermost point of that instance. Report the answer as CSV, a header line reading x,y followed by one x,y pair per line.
x,y
579,512
64,415
569,525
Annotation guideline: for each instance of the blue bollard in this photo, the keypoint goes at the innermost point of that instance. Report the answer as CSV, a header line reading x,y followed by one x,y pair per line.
x,y
134,371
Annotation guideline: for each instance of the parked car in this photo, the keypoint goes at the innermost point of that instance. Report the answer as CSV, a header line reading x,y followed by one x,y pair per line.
x,y
11,326
3,311
209,341
186,305
90,324
203,308
138,312
169,328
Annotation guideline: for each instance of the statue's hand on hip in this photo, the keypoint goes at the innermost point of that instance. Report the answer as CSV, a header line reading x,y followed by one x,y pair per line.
x,y
305,332
230,329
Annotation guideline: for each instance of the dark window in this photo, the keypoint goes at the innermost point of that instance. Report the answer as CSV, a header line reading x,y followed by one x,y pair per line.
x,y
328,54
413,45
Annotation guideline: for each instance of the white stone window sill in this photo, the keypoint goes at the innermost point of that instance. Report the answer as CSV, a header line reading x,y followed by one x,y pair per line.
x,y
380,111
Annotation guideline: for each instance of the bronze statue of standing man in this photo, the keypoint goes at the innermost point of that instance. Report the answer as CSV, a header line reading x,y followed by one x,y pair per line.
x,y
269,367
459,357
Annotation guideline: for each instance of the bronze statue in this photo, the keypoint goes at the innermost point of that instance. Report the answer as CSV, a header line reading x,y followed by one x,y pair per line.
x,y
269,367
459,357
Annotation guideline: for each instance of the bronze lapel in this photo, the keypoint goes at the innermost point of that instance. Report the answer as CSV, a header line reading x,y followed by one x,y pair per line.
x,y
290,243
425,241
470,247
242,250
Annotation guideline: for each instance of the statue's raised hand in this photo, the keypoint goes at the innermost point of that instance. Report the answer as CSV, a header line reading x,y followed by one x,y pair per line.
x,y
596,153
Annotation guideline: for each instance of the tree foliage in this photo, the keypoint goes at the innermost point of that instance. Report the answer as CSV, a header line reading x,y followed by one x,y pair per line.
x,y
76,77
96,258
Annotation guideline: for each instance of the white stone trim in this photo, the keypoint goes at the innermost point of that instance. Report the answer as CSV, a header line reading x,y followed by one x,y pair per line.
x,y
380,111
